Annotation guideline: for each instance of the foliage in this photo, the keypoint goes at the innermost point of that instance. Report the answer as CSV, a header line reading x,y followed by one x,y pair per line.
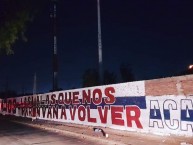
x,y
90,78
126,73
185,72
14,15
8,94
109,77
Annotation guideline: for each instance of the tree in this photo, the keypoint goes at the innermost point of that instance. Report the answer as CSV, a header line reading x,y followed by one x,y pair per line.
x,y
90,78
109,77
8,94
14,16
126,73
187,71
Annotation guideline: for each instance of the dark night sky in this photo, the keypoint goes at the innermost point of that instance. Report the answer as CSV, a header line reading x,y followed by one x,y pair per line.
x,y
154,37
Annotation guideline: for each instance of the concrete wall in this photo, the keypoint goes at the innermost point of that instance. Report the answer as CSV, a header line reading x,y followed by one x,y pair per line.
x,y
162,106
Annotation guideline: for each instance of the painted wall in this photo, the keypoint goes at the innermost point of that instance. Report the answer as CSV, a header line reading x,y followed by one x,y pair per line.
x,y
135,106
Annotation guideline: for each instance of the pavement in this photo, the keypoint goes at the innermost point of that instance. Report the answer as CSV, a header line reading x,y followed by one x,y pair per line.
x,y
12,133
100,135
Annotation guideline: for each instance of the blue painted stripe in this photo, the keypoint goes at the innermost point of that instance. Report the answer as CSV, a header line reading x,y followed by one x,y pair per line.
x,y
184,116
167,114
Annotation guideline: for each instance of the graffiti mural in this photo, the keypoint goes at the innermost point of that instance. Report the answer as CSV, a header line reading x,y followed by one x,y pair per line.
x,y
121,106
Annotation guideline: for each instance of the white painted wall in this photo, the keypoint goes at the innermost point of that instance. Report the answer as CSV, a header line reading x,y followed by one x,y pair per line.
x,y
131,110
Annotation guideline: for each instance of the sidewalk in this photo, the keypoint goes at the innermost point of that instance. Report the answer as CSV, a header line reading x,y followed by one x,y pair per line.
x,y
113,137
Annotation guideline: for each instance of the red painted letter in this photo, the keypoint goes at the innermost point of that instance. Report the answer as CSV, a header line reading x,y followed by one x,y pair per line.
x,y
86,97
83,110
63,113
72,112
135,117
110,97
89,118
97,97
116,115
103,116
75,98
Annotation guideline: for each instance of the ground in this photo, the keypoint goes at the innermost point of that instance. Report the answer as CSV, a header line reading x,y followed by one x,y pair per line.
x,y
22,131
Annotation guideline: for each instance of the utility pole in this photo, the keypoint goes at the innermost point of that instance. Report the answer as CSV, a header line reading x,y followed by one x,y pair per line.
x,y
35,85
100,56
55,57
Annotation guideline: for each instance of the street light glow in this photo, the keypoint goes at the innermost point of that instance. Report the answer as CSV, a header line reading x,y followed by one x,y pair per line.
x,y
190,66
